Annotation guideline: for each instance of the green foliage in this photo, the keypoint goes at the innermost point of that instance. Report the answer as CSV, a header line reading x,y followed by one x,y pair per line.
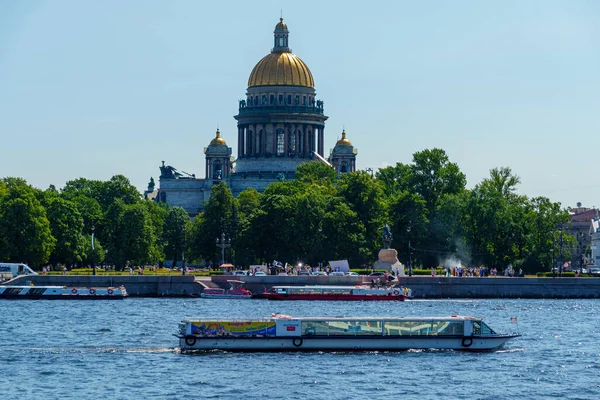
x,y
365,197
66,225
313,219
220,216
25,234
316,173
136,235
174,233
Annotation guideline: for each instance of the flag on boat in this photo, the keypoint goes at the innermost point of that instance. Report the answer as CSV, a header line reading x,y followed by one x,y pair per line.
x,y
513,319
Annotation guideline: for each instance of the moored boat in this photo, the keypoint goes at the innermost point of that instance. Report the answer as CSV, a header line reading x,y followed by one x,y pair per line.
x,y
286,333
62,293
236,291
341,293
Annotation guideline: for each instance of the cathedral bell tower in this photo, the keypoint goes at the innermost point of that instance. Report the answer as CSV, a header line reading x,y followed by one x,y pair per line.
x,y
343,156
218,159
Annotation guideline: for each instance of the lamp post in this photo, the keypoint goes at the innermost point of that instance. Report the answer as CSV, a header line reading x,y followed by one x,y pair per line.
x,y
560,268
183,268
223,244
580,241
370,171
409,253
93,247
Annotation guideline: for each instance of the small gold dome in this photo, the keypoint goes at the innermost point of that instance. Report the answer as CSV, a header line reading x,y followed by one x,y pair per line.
x,y
281,68
343,141
218,140
281,25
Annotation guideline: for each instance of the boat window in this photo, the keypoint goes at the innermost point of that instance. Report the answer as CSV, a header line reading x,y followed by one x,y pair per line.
x,y
342,328
476,328
367,327
315,328
486,330
282,290
450,328
400,328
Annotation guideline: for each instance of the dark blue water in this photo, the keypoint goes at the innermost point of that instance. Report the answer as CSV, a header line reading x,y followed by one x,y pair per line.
x,y
125,349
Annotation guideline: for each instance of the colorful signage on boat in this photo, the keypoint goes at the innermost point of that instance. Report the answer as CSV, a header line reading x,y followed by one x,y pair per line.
x,y
241,328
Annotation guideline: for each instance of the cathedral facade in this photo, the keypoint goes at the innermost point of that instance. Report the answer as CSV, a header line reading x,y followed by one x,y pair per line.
x,y
280,125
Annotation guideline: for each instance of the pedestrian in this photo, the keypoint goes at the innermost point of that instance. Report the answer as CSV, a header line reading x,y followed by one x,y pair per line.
x,y
64,270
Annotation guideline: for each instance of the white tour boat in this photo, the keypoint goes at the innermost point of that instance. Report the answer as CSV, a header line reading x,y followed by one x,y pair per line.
x,y
286,333
62,293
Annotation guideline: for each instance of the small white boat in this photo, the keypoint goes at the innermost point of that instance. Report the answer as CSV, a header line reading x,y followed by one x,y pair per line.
x,y
235,291
62,293
286,333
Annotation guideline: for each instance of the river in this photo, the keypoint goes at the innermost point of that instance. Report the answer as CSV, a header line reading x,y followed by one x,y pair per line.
x,y
126,350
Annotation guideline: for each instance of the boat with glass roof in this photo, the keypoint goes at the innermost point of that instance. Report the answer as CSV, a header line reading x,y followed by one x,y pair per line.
x,y
286,333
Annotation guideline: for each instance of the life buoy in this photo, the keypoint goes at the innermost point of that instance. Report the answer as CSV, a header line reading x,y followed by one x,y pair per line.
x,y
110,291
74,291
92,291
396,291
467,341
190,340
297,342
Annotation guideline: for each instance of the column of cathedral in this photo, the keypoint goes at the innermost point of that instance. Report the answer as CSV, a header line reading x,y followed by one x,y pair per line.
x,y
308,138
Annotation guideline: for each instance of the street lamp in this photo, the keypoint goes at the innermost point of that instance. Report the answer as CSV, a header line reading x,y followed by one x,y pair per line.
x,y
183,268
223,244
409,253
580,240
93,247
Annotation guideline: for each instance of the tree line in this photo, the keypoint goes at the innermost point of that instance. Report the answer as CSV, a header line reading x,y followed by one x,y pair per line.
x,y
313,219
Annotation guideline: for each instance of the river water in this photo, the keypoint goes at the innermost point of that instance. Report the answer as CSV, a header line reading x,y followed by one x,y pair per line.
x,y
125,349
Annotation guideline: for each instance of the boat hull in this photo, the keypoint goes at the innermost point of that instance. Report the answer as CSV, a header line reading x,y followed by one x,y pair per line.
x,y
225,296
346,344
332,297
63,297
61,293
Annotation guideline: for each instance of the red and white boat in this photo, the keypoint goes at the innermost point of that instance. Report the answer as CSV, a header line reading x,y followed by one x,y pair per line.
x,y
343,293
236,291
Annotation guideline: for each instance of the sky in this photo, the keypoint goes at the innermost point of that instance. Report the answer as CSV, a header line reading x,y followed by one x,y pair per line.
x,y
95,89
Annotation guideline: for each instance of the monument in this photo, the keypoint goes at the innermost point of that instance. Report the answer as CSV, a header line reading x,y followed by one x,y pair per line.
x,y
388,257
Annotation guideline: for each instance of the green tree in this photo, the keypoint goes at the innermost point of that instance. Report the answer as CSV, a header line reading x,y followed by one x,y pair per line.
x,y
395,179
25,234
316,172
219,216
174,233
66,225
136,234
433,176
365,197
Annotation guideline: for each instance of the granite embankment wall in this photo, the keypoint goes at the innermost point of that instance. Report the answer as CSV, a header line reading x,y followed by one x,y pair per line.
x,y
422,286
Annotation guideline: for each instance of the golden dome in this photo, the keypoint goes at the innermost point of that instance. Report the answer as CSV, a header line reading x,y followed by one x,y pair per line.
x,y
281,25
281,68
218,139
343,141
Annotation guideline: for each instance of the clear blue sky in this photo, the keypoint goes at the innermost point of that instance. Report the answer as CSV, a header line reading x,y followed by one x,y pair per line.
x,y
93,89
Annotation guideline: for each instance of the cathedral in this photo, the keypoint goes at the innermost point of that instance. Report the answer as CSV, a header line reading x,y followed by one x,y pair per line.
x,y
281,125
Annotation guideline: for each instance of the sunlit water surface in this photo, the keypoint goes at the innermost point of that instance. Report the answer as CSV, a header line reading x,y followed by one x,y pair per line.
x,y
126,350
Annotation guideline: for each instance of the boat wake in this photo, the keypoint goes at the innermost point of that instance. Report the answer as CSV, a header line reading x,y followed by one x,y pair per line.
x,y
91,350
